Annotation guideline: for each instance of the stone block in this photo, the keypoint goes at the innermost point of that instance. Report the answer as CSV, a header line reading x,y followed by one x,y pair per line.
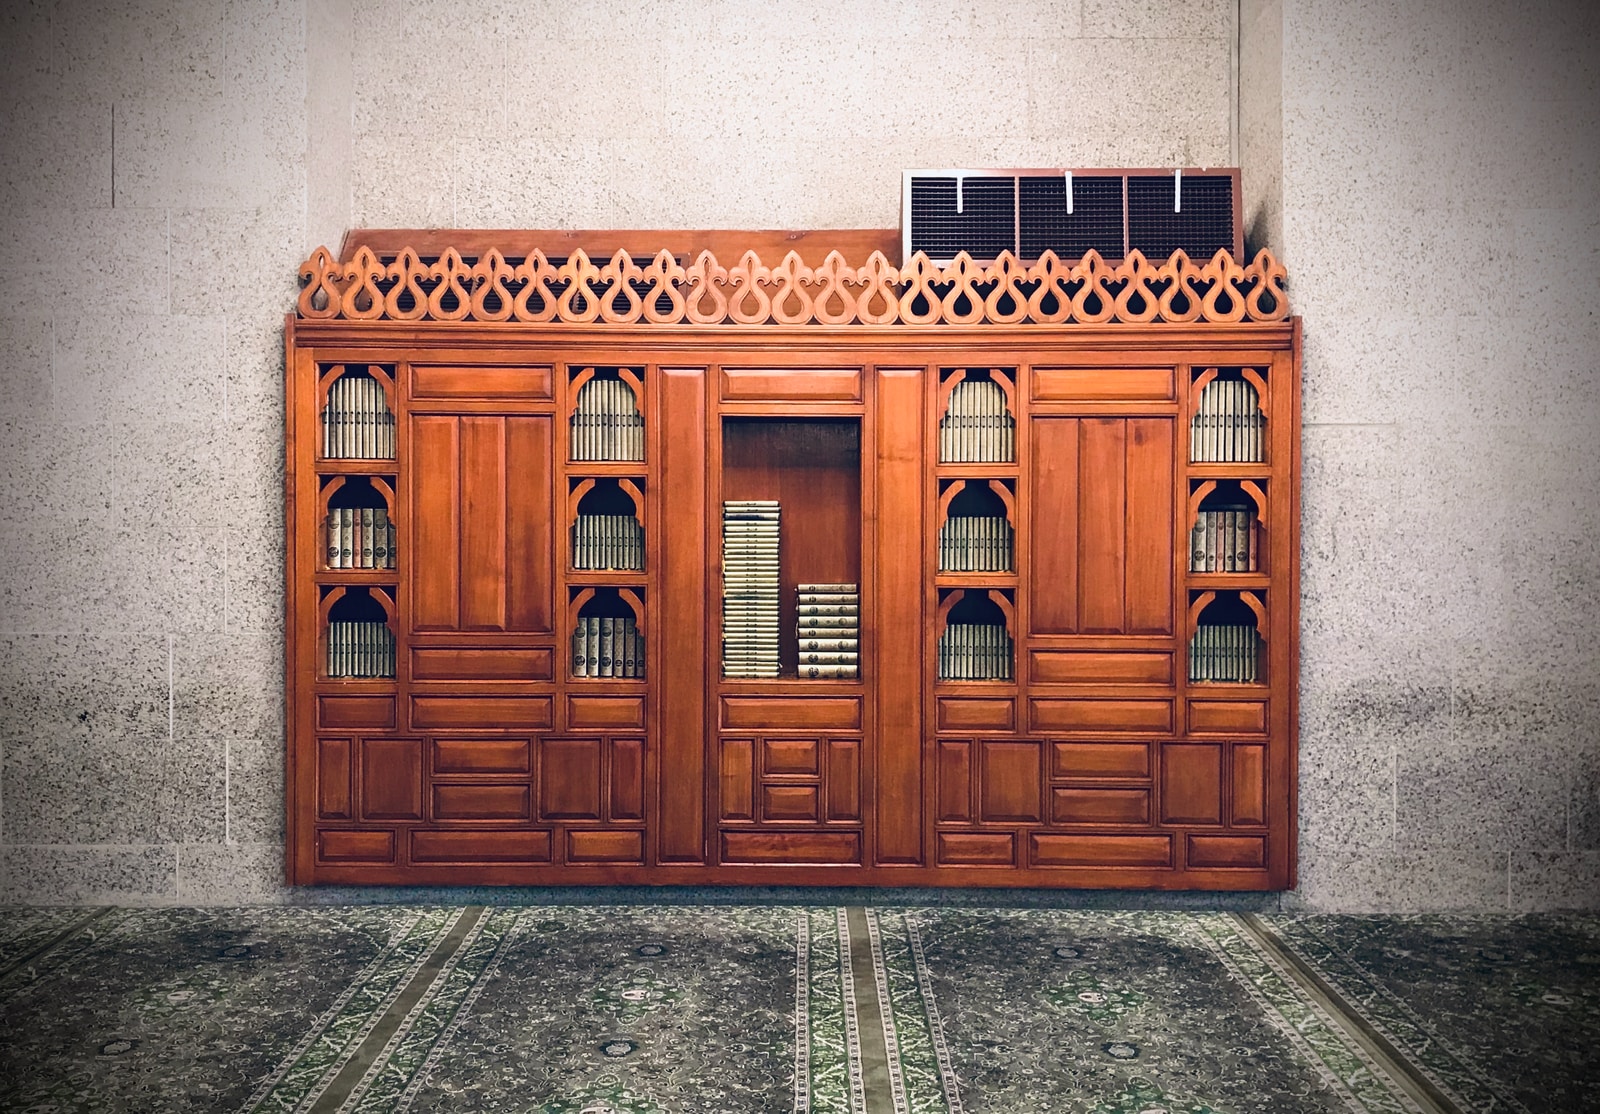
x,y
1342,881
423,87
1552,881
1346,794
145,51
25,353
534,183
45,256
1158,19
69,170
400,181
138,370
1493,788
231,874
576,91
221,153
135,875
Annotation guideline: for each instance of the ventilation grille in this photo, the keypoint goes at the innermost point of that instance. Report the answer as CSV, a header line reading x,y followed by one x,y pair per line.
x,y
1202,224
1095,221
984,226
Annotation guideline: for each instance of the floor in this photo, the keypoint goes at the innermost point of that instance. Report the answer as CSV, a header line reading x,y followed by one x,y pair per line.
x,y
647,1009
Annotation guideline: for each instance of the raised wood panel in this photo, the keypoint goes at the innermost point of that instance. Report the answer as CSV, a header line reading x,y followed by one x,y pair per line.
x,y
790,756
738,779
1074,805
977,849
1101,850
355,711
792,713
1009,786
806,384
627,779
503,663
429,382
955,781
968,713
569,779
605,711
1053,556
488,712
791,848
844,779
1228,717
1100,716
1093,760
1096,384
790,802
1249,784
1191,783
1100,667
355,847
1226,851
391,779
455,801
605,847
335,801
482,756
481,845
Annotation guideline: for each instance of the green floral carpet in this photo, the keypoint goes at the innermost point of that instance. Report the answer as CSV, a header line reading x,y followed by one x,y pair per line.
x,y
763,1009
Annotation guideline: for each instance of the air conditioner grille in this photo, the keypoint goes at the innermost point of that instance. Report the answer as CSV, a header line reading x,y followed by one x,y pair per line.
x,y
1203,225
1095,221
986,225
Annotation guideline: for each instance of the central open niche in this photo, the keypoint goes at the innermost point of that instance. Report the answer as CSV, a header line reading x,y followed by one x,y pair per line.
x,y
811,468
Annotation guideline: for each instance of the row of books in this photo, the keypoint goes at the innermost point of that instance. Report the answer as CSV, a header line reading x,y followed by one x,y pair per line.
x,y
750,587
1224,540
357,424
360,649
359,538
607,541
604,646
977,427
1228,426
828,630
606,424
1224,652
971,543
975,652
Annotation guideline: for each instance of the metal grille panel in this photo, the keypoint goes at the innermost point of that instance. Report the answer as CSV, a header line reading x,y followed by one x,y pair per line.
x,y
1203,225
984,228
1095,221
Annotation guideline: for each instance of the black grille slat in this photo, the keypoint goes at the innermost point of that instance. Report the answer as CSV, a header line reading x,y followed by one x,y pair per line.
x,y
1094,223
1203,226
984,228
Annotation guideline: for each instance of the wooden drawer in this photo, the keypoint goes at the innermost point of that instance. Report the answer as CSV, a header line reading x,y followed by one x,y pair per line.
x,y
605,711
791,847
800,713
976,713
1073,805
1100,667
456,801
1086,760
1226,851
977,848
1101,850
355,711
440,663
1228,717
433,711
482,756
1100,716
480,846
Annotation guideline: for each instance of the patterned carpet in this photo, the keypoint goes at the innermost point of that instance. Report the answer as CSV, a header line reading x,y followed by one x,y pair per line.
x,y
756,1010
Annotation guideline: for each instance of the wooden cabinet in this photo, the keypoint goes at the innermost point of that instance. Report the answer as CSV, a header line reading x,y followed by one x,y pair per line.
x,y
1066,497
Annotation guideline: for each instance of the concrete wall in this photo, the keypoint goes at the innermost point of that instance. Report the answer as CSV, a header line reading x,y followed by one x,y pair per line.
x,y
166,167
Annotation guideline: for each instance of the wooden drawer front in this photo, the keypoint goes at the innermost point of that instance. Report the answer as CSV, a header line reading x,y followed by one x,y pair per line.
x,y
1101,850
482,756
1094,384
605,711
482,802
977,849
1072,805
1228,717
355,847
569,779
791,847
799,384
605,847
1100,667
480,846
972,713
1100,760
1249,785
355,711
801,713
481,711
1191,783
789,802
437,663
391,779
789,756
1235,851
335,801
1009,789
480,382
1101,717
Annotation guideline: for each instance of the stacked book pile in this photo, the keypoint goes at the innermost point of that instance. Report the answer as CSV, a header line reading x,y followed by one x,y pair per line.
x,y
360,538
1229,425
603,646
975,652
977,428
972,543
828,626
607,425
607,541
357,424
750,588
1223,652
1224,540
363,649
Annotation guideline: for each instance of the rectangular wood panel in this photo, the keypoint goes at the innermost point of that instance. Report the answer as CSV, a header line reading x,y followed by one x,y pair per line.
x,y
605,847
391,779
1100,667
1191,783
355,847
627,779
1147,583
1086,760
1073,384
455,801
605,711
480,382
738,779
1101,850
844,779
481,846
569,779
1053,499
1102,525
1249,784
977,849
800,384
798,713
790,802
796,848
1009,788
434,555
1072,805
1229,717
969,713
955,780
334,799
1107,716
499,664
501,712
1226,851
530,530
481,756
790,756
355,711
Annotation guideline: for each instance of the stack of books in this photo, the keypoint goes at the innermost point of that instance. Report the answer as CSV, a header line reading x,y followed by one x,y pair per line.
x,y
603,646
360,649
975,652
1224,652
357,424
1224,540
750,588
828,626
360,538
973,543
607,425
1228,426
607,541
977,428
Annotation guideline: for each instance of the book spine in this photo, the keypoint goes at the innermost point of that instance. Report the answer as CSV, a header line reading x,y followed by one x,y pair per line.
x,y
380,539
331,525
580,660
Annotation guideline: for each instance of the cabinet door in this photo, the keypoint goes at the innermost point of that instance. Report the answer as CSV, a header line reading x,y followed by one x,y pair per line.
x,y
1101,553
482,533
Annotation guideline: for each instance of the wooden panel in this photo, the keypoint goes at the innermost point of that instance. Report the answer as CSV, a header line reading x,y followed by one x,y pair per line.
x,y
1100,667
1102,525
1249,785
1101,716
972,713
791,847
530,530
391,779
844,779
790,756
955,780
482,756
798,713
484,561
428,711
335,801
482,802
499,664
605,711
738,779
1073,805
1238,851
1009,786
355,711
605,847
433,558
800,384
1100,759
1191,783
480,846
1148,531
627,779
355,847
480,382
790,802
1101,850
1069,384
1053,491
977,849
1228,717
569,779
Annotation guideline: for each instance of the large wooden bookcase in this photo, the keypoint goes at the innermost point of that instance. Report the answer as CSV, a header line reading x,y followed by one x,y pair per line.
x,y
474,750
